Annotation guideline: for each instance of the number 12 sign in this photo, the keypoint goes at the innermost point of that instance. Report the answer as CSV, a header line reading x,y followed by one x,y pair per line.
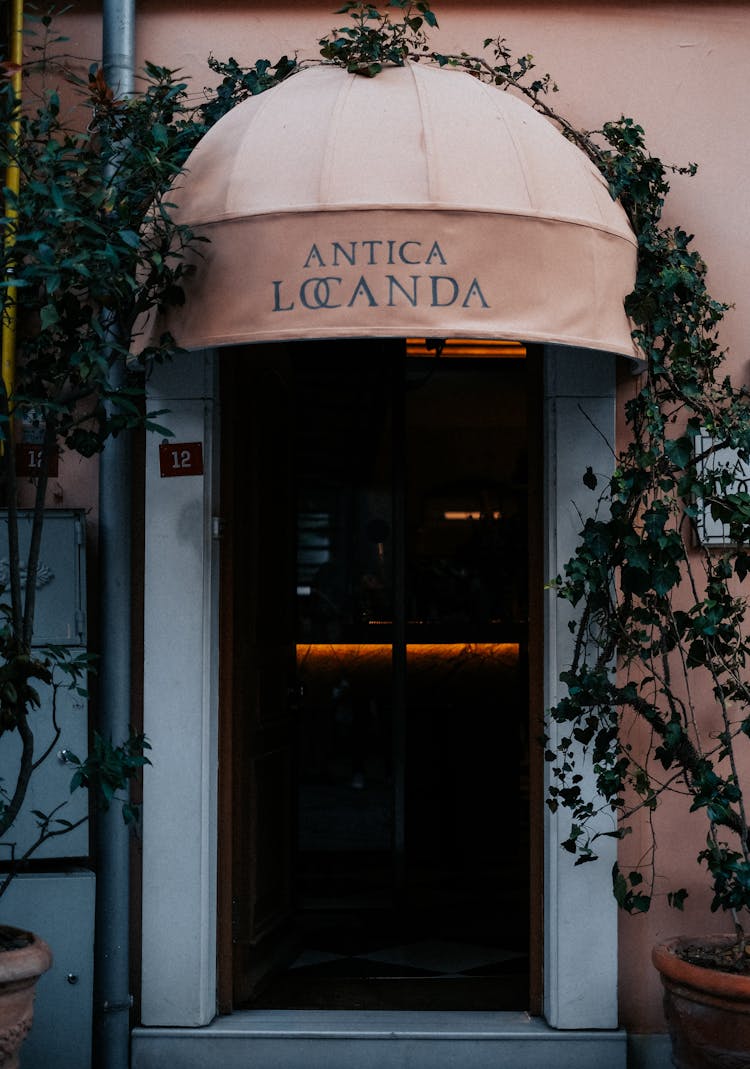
x,y
180,458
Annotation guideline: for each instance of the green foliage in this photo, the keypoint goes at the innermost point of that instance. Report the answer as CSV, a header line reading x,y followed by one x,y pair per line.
x,y
89,249
375,40
626,895
108,768
505,72
666,613
238,83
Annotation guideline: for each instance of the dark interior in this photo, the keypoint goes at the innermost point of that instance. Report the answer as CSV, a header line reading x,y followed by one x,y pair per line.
x,y
410,869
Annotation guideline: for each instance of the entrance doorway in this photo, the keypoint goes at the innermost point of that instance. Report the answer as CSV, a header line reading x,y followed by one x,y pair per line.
x,y
377,636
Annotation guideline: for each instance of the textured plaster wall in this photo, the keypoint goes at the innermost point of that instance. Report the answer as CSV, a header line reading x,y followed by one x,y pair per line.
x,y
678,68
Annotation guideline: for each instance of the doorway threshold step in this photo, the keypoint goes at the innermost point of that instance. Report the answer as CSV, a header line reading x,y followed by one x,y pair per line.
x,y
322,1039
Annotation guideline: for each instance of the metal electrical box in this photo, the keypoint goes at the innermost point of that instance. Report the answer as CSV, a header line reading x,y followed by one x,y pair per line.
x,y
60,620
50,783
60,617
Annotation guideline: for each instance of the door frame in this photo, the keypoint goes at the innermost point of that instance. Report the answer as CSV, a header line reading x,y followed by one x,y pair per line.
x,y
237,477
182,715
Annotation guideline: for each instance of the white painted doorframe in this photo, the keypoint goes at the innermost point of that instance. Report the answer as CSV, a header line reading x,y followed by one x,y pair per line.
x,y
181,702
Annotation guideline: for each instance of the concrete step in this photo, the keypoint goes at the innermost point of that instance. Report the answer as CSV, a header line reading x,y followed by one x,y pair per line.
x,y
349,1039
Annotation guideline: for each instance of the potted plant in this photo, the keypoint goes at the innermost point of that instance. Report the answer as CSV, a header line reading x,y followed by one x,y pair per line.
x,y
24,957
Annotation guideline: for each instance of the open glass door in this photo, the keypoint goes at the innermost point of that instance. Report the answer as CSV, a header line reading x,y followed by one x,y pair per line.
x,y
409,879
258,672
466,697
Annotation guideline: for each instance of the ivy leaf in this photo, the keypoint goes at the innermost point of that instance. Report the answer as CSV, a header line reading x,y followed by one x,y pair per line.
x,y
131,238
679,451
49,316
589,479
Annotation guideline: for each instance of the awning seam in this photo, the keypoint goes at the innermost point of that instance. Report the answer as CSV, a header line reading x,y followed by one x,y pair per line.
x,y
352,209
426,128
329,151
520,156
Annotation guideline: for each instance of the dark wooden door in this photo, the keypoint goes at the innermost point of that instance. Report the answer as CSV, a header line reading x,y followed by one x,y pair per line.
x,y
258,667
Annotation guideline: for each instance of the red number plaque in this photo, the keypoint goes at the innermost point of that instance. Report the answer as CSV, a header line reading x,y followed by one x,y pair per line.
x,y
29,460
180,458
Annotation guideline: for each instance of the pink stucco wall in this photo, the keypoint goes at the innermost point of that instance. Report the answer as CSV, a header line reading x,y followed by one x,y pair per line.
x,y
679,68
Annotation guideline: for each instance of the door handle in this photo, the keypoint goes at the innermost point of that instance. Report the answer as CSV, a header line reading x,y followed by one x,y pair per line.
x,y
295,694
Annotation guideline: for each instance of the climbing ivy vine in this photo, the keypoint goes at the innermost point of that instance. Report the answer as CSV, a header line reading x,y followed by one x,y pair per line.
x,y
659,631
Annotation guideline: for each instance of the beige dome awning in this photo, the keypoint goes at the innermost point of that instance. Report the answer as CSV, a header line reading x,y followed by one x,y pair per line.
x,y
420,202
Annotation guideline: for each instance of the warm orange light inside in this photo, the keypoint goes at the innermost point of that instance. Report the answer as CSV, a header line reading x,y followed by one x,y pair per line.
x,y
474,347
349,652
467,665
471,515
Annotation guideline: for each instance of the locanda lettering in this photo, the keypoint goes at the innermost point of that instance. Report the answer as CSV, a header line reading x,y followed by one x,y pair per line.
x,y
327,292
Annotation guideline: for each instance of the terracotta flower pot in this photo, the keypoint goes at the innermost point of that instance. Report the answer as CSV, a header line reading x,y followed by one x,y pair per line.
x,y
19,971
708,1012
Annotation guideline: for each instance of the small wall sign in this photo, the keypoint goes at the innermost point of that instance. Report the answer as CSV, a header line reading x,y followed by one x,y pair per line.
x,y
180,458
29,460
712,532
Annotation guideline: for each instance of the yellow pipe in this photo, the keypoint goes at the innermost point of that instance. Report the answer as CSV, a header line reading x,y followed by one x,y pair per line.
x,y
13,182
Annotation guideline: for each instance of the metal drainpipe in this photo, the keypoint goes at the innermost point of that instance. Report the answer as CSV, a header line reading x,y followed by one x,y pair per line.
x,y
13,183
112,839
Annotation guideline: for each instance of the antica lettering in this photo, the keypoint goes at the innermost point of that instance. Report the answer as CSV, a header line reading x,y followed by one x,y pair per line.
x,y
373,251
314,253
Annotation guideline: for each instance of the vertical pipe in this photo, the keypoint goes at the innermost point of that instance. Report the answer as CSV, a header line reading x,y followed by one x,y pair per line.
x,y
118,45
13,183
112,960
